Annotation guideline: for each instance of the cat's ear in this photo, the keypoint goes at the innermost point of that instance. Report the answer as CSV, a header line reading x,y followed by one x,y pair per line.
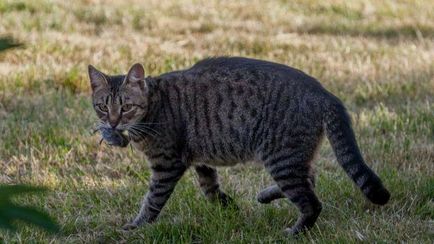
x,y
136,77
97,79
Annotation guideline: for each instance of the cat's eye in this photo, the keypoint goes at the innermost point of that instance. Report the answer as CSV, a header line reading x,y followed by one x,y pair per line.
x,y
127,107
102,107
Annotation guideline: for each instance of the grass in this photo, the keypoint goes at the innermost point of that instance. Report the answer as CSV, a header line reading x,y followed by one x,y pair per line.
x,y
378,56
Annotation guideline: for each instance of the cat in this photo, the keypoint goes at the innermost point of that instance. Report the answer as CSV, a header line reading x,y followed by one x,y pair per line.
x,y
223,111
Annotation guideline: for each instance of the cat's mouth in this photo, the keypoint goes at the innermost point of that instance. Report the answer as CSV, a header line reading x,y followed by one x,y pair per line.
x,y
114,137
121,135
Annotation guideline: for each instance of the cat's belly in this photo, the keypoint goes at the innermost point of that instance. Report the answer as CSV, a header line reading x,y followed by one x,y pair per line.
x,y
216,162
221,160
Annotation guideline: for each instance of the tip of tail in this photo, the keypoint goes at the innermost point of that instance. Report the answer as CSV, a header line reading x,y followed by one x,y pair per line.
x,y
379,196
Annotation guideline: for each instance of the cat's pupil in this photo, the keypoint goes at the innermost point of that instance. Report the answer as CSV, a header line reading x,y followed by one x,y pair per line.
x,y
126,107
102,107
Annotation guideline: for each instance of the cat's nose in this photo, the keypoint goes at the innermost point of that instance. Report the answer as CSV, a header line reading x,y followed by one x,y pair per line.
x,y
114,123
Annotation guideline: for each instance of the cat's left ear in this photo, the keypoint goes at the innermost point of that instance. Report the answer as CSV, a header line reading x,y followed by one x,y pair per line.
x,y
136,77
97,79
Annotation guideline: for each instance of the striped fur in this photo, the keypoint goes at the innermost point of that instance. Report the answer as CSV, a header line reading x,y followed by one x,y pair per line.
x,y
223,111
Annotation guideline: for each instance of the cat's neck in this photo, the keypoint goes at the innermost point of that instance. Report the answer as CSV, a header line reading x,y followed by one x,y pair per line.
x,y
154,100
150,123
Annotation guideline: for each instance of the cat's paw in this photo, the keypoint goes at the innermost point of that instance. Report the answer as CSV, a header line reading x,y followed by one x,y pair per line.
x,y
129,226
224,199
263,198
227,201
294,232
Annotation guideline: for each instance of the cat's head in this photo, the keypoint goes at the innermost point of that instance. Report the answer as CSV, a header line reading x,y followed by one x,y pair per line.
x,y
119,101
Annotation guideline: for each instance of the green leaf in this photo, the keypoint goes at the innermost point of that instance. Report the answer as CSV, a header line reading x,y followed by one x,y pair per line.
x,y
7,191
31,216
7,43
5,223
9,211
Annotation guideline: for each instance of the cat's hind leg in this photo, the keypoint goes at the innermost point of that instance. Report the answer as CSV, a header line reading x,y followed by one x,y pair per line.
x,y
290,169
270,194
273,192
208,182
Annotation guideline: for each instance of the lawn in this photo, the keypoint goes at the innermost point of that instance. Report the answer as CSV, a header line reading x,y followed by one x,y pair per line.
x,y
377,56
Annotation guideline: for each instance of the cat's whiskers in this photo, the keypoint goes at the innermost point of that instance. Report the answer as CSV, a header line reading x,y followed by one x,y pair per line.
x,y
137,134
142,126
145,132
139,131
141,123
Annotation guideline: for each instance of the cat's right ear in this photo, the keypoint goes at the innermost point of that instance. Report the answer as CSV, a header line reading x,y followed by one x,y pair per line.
x,y
97,79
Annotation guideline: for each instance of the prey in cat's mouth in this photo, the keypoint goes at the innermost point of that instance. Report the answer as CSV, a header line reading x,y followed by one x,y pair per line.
x,y
114,137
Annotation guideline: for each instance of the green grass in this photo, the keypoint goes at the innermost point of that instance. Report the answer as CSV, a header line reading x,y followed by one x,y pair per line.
x,y
377,56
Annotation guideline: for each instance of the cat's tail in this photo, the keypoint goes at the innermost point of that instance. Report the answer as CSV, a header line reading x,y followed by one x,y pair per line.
x,y
341,136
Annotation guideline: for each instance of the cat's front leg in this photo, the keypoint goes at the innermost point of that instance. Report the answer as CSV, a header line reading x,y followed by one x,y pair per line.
x,y
165,175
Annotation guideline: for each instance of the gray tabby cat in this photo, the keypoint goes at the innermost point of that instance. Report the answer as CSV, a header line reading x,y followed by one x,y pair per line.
x,y
223,111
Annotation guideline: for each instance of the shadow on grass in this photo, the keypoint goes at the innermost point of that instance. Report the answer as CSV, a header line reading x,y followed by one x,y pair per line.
x,y
385,32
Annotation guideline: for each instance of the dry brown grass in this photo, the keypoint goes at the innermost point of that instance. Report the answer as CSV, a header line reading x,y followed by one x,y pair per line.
x,y
378,56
